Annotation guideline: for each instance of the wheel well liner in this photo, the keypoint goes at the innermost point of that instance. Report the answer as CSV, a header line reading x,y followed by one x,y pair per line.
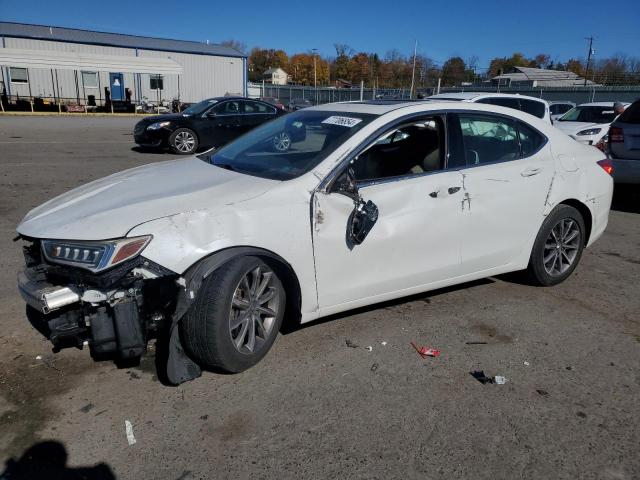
x,y
586,215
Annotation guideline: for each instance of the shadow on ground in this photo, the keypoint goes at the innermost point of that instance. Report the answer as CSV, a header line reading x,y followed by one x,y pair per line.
x,y
626,198
48,461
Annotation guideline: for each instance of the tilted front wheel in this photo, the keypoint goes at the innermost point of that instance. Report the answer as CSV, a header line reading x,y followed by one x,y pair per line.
x,y
558,246
236,316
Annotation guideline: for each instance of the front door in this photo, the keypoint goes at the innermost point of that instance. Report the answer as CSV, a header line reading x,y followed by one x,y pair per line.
x,y
222,123
507,178
116,81
415,241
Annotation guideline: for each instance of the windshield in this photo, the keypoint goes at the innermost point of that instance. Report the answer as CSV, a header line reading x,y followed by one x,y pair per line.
x,y
198,108
291,145
589,114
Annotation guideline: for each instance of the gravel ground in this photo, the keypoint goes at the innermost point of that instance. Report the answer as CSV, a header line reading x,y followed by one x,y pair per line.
x,y
314,406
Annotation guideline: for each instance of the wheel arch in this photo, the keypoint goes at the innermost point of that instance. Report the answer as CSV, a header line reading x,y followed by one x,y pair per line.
x,y
586,215
204,267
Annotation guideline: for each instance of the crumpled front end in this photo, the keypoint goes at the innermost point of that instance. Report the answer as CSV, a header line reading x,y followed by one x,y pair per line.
x,y
114,312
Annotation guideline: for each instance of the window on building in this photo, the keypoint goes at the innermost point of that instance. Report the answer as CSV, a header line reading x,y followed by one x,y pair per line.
x,y
18,75
156,82
90,79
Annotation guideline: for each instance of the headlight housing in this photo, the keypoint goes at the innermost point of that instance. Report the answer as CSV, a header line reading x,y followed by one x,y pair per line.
x,y
589,131
158,125
94,256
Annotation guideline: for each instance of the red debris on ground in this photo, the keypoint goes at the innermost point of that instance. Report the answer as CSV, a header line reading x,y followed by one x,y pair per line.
x,y
425,352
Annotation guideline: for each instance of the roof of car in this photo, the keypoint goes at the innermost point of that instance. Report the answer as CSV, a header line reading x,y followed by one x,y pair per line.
x,y
602,104
474,95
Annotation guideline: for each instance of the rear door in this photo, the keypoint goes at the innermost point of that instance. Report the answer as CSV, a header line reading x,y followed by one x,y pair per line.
x,y
507,173
255,113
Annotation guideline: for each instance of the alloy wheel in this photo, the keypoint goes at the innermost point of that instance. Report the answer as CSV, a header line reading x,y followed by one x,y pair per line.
x,y
254,309
561,247
282,142
184,142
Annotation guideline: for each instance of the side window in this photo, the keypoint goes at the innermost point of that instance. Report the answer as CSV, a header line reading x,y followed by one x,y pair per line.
x,y
227,108
564,107
411,149
530,139
532,107
255,107
488,139
555,109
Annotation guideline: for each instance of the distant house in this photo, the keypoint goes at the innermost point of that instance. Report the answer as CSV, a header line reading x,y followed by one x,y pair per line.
x,y
539,77
276,76
342,83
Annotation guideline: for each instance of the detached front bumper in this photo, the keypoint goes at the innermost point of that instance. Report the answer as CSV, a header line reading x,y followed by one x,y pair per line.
x,y
42,296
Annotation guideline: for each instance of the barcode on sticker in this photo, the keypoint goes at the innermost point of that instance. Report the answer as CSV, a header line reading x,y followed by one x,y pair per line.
x,y
342,121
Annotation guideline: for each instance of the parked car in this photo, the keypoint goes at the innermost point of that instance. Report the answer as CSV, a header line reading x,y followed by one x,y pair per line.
x,y
374,202
624,145
299,103
559,108
588,123
206,124
532,105
273,101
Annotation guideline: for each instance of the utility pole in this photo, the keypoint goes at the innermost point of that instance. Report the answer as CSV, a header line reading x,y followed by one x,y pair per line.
x,y
413,71
586,72
315,77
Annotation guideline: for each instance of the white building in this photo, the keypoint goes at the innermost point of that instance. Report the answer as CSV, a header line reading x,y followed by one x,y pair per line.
x,y
539,77
276,76
71,64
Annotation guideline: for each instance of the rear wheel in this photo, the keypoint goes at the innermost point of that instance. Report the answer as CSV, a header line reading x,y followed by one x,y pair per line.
x,y
236,316
558,246
183,141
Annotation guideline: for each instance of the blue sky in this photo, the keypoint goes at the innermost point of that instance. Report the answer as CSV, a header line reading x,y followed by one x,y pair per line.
x,y
482,28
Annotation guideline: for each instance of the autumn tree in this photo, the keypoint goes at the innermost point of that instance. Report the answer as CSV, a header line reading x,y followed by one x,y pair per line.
x,y
237,44
261,60
454,71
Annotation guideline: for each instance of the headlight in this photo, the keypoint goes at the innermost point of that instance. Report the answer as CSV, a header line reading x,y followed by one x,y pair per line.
x,y
158,125
94,256
590,131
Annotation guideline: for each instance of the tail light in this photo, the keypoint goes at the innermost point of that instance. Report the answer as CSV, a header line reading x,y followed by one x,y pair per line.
x,y
616,135
606,165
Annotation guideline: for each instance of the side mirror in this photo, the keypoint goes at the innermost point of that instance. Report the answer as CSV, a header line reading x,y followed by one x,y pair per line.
x,y
361,221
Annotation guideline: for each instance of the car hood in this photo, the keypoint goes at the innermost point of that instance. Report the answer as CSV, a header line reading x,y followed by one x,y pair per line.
x,y
112,206
571,128
162,118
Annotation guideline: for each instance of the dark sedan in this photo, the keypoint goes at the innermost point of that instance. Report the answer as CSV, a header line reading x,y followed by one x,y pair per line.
x,y
209,123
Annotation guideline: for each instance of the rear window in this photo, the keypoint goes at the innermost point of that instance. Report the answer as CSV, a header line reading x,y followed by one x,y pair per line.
x,y
589,114
530,140
631,114
532,107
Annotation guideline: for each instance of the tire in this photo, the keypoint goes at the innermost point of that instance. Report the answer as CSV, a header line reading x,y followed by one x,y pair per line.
x,y
211,330
183,141
558,246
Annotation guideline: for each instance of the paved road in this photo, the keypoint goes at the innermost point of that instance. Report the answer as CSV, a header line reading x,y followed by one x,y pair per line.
x,y
315,408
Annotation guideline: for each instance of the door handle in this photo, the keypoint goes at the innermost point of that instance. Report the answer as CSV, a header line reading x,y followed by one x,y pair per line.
x,y
453,190
531,171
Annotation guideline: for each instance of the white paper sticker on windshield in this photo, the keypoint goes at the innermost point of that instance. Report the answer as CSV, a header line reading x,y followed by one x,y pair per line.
x,y
607,111
342,121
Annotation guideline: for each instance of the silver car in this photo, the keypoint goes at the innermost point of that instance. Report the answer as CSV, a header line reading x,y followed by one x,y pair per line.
x,y
624,145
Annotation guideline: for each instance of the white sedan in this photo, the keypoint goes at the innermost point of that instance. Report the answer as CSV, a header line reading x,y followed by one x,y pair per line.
x,y
317,212
588,123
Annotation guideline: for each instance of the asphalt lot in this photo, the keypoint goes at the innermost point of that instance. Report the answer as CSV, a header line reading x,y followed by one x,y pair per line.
x,y
315,407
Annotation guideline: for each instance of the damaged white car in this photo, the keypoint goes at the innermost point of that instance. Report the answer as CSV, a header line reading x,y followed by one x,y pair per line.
x,y
317,212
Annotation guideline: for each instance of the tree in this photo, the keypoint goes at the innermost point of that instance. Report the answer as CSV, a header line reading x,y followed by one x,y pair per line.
x,y
237,44
343,52
454,71
542,60
301,65
262,59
